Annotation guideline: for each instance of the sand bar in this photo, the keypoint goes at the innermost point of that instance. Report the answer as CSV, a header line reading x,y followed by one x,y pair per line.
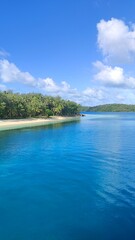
x,y
33,122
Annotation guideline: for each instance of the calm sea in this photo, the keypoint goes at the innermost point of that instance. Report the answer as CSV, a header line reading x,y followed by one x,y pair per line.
x,y
73,181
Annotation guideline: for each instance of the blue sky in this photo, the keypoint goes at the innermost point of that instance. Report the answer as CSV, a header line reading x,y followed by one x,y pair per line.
x,y
82,50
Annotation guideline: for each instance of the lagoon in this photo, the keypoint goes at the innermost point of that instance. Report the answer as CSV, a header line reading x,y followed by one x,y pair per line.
x,y
69,181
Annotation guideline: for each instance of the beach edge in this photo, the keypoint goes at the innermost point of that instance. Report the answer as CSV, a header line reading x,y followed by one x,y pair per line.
x,y
13,124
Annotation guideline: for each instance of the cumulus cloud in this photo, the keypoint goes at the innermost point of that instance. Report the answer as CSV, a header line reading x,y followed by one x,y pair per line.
x,y
96,96
91,96
93,93
50,86
10,73
111,84
109,75
116,40
113,76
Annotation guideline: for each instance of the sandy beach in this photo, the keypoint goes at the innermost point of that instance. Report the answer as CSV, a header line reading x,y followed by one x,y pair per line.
x,y
33,122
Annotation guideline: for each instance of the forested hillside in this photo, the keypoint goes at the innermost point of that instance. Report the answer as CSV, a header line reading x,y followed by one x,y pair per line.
x,y
110,108
16,105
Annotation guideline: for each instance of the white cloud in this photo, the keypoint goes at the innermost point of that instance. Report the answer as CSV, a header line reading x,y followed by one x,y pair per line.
x,y
91,96
93,93
126,96
108,75
50,86
115,86
96,96
10,73
113,76
116,40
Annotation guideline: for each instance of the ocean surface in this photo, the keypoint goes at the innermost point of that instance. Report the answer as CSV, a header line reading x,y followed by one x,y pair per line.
x,y
70,181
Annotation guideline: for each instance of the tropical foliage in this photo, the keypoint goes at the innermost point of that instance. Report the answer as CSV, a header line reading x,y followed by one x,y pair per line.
x,y
16,105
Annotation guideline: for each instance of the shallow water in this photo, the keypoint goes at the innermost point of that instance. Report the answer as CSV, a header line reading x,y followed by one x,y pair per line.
x,y
73,181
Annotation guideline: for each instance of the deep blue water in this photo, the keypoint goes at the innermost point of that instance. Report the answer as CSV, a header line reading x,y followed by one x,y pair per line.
x,y
73,181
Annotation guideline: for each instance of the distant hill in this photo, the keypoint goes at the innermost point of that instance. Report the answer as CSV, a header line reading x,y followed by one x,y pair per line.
x,y
110,108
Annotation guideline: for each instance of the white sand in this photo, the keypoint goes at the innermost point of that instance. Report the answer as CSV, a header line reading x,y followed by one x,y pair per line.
x,y
33,122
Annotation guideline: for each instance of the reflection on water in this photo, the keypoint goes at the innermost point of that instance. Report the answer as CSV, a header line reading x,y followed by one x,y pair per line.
x,y
69,181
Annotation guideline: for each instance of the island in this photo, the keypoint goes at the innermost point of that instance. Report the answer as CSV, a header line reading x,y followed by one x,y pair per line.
x,y
34,109
109,108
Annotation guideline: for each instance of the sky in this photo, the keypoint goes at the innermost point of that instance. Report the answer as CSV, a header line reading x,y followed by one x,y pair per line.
x,y
81,50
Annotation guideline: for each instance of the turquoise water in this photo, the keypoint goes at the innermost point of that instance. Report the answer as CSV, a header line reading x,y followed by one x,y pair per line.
x,y
73,181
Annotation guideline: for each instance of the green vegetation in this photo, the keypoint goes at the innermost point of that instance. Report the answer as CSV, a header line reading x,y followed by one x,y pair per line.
x,y
110,108
16,105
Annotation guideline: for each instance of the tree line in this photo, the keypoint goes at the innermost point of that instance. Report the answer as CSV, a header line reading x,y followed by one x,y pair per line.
x,y
110,108
16,105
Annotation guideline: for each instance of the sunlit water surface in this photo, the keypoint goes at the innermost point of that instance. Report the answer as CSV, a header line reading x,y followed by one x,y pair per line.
x,y
73,181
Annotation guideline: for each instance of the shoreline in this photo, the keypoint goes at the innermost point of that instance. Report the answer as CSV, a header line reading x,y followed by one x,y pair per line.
x,y
12,124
